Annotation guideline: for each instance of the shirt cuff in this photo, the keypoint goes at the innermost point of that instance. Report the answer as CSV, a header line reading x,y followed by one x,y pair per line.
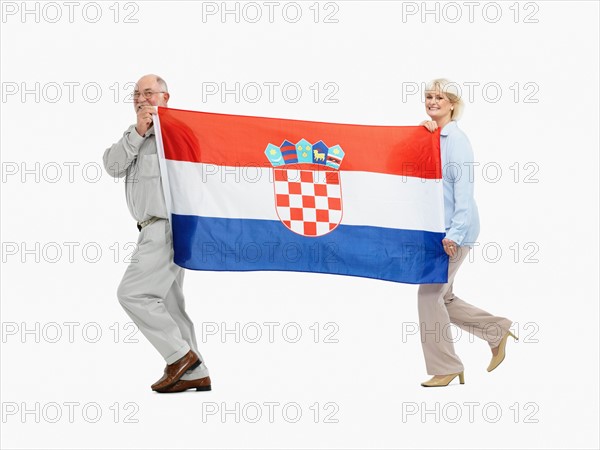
x,y
135,139
455,236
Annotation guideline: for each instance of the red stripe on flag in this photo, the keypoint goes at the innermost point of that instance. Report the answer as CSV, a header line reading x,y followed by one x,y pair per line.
x,y
240,141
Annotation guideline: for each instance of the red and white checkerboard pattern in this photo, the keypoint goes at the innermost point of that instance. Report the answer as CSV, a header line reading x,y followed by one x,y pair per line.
x,y
309,202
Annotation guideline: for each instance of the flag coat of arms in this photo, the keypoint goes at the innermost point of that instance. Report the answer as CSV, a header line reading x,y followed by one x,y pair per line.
x,y
252,193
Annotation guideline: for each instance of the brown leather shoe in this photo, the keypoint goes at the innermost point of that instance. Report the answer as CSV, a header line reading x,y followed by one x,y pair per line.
x,y
173,372
201,384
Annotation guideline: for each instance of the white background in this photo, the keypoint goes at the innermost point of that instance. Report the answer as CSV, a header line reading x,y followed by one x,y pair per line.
x,y
546,391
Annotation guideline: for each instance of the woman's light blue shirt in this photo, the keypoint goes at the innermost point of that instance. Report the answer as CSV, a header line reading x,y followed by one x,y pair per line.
x,y
460,209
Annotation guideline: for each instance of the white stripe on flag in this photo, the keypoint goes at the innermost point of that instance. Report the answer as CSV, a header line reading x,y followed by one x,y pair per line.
x,y
372,199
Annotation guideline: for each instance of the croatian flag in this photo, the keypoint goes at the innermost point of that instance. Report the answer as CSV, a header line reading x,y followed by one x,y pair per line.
x,y
252,193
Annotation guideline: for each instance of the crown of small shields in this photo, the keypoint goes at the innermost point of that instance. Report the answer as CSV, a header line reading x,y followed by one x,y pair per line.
x,y
305,152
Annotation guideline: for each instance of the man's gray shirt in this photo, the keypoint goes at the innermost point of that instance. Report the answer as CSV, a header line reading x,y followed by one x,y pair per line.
x,y
135,158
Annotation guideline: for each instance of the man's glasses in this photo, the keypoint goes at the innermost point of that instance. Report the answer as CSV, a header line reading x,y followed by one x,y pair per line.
x,y
146,94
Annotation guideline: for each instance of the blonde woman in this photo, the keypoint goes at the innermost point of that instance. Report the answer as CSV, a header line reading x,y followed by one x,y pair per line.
x,y
438,305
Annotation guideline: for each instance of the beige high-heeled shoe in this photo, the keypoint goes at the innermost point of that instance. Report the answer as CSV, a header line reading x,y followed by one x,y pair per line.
x,y
445,380
496,360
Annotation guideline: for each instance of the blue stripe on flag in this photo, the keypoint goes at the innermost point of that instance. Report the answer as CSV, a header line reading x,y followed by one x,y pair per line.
x,y
405,256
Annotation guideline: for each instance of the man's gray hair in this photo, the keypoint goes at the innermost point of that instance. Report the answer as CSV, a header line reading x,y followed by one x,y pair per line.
x,y
163,84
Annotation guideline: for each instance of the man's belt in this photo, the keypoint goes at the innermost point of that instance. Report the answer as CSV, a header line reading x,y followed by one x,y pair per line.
x,y
145,223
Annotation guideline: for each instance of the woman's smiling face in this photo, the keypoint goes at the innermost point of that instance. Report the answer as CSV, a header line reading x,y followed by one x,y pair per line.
x,y
437,105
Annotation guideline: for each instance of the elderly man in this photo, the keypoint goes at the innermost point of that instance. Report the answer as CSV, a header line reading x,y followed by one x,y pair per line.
x,y
151,289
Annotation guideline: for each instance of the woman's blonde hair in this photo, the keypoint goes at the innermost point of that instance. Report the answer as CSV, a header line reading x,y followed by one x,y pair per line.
x,y
452,91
